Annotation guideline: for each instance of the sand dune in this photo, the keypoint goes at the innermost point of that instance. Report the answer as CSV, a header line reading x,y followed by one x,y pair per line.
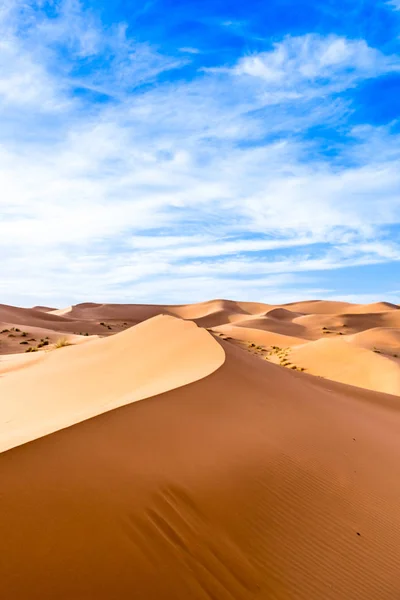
x,y
381,338
282,314
254,482
258,336
343,361
267,325
318,307
43,308
16,340
206,314
376,307
77,382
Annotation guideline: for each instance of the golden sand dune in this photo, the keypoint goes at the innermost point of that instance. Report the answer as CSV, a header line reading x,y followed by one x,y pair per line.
x,y
318,307
282,314
376,307
206,314
381,338
341,360
18,340
266,325
258,336
43,308
253,482
77,382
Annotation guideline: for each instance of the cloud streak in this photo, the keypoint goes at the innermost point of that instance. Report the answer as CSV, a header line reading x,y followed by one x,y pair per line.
x,y
118,169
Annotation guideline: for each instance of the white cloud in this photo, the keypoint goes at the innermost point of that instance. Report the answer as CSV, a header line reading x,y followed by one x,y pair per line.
x,y
190,50
395,4
111,193
298,66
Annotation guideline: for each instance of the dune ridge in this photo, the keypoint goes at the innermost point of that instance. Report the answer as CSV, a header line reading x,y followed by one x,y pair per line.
x,y
286,327
77,382
251,482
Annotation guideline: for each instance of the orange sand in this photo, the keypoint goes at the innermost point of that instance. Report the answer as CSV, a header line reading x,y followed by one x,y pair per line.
x,y
233,478
249,482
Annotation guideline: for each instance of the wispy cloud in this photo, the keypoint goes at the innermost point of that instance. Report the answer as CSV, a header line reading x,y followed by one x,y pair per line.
x,y
117,170
394,4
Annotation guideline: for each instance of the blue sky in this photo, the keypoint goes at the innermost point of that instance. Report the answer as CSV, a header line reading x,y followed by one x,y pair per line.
x,y
177,151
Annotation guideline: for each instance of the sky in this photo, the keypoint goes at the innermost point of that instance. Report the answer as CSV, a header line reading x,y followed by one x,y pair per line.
x,y
174,151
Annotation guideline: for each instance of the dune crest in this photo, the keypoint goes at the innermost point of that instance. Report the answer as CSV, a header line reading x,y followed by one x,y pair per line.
x,y
78,382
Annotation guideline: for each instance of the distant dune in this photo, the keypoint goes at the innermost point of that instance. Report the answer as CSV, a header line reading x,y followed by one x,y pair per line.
x,y
293,325
177,452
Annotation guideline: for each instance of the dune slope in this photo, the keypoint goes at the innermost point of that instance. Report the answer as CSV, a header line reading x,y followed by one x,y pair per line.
x,y
251,483
77,382
345,360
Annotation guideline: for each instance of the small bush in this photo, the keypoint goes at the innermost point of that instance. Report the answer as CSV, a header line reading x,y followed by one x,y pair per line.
x,y
43,343
33,349
11,335
5,331
24,343
24,334
61,343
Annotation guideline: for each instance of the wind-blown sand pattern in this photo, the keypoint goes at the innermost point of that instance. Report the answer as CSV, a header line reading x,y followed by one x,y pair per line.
x,y
232,477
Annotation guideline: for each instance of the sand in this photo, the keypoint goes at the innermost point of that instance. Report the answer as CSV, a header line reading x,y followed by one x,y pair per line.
x,y
291,326
77,382
250,481
160,461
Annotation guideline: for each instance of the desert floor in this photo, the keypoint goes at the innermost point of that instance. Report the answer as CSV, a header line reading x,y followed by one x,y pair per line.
x,y
222,450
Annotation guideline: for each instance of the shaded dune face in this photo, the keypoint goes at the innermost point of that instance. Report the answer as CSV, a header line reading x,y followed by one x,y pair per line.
x,y
251,482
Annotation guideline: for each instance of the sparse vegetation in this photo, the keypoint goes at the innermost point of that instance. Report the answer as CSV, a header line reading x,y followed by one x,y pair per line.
x,y
61,343
5,331
43,343
25,342
32,349
282,355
